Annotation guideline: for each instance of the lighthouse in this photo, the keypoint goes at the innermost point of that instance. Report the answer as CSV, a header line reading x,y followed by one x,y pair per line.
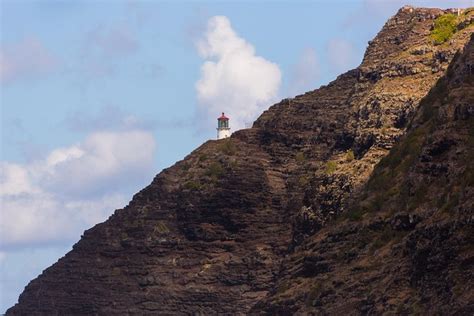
x,y
223,129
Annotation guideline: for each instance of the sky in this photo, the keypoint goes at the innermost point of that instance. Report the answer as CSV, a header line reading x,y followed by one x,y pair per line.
x,y
97,97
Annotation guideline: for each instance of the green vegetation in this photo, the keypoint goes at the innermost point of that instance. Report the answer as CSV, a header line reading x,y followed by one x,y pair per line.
x,y
303,181
192,185
331,167
283,287
123,236
227,147
300,158
468,177
388,180
451,201
386,236
145,209
116,271
314,294
161,228
185,166
202,157
233,163
349,155
444,28
418,198
401,157
355,215
214,171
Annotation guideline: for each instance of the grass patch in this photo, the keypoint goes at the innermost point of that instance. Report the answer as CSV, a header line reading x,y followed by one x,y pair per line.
x,y
468,178
227,147
444,28
418,198
429,111
300,158
283,287
214,171
355,215
331,167
192,185
202,157
400,158
185,166
349,155
161,228
303,181
381,179
386,236
313,295
452,200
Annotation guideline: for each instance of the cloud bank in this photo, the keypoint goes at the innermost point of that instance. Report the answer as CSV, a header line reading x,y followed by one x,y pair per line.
x,y
233,78
52,200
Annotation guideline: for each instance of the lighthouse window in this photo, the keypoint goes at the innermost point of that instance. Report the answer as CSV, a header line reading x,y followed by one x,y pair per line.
x,y
223,123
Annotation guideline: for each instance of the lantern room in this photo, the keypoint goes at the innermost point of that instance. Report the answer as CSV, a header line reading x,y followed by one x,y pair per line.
x,y
223,129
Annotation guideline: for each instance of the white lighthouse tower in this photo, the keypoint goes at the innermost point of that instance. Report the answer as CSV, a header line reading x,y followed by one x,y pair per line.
x,y
223,129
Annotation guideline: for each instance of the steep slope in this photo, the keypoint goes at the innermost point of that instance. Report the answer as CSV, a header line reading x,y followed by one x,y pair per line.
x,y
212,233
407,244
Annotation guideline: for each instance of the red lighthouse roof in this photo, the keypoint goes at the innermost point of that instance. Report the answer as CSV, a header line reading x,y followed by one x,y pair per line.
x,y
223,117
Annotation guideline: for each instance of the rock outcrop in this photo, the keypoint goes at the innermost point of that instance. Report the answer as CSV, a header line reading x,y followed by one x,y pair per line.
x,y
279,218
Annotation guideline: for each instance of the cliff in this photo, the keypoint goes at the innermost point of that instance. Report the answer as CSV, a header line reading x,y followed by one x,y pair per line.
x,y
282,217
406,244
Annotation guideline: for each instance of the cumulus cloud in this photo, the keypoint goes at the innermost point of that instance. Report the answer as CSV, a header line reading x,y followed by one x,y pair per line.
x,y
341,55
26,59
52,200
305,73
233,78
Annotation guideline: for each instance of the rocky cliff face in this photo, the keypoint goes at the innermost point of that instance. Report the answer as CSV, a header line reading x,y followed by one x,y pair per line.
x,y
279,218
406,245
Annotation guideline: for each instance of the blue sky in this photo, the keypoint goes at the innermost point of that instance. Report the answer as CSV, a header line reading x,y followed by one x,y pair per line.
x,y
99,96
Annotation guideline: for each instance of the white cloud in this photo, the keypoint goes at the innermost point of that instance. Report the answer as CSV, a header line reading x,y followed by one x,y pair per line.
x,y
26,59
43,219
233,78
101,162
14,180
341,55
305,73
54,199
